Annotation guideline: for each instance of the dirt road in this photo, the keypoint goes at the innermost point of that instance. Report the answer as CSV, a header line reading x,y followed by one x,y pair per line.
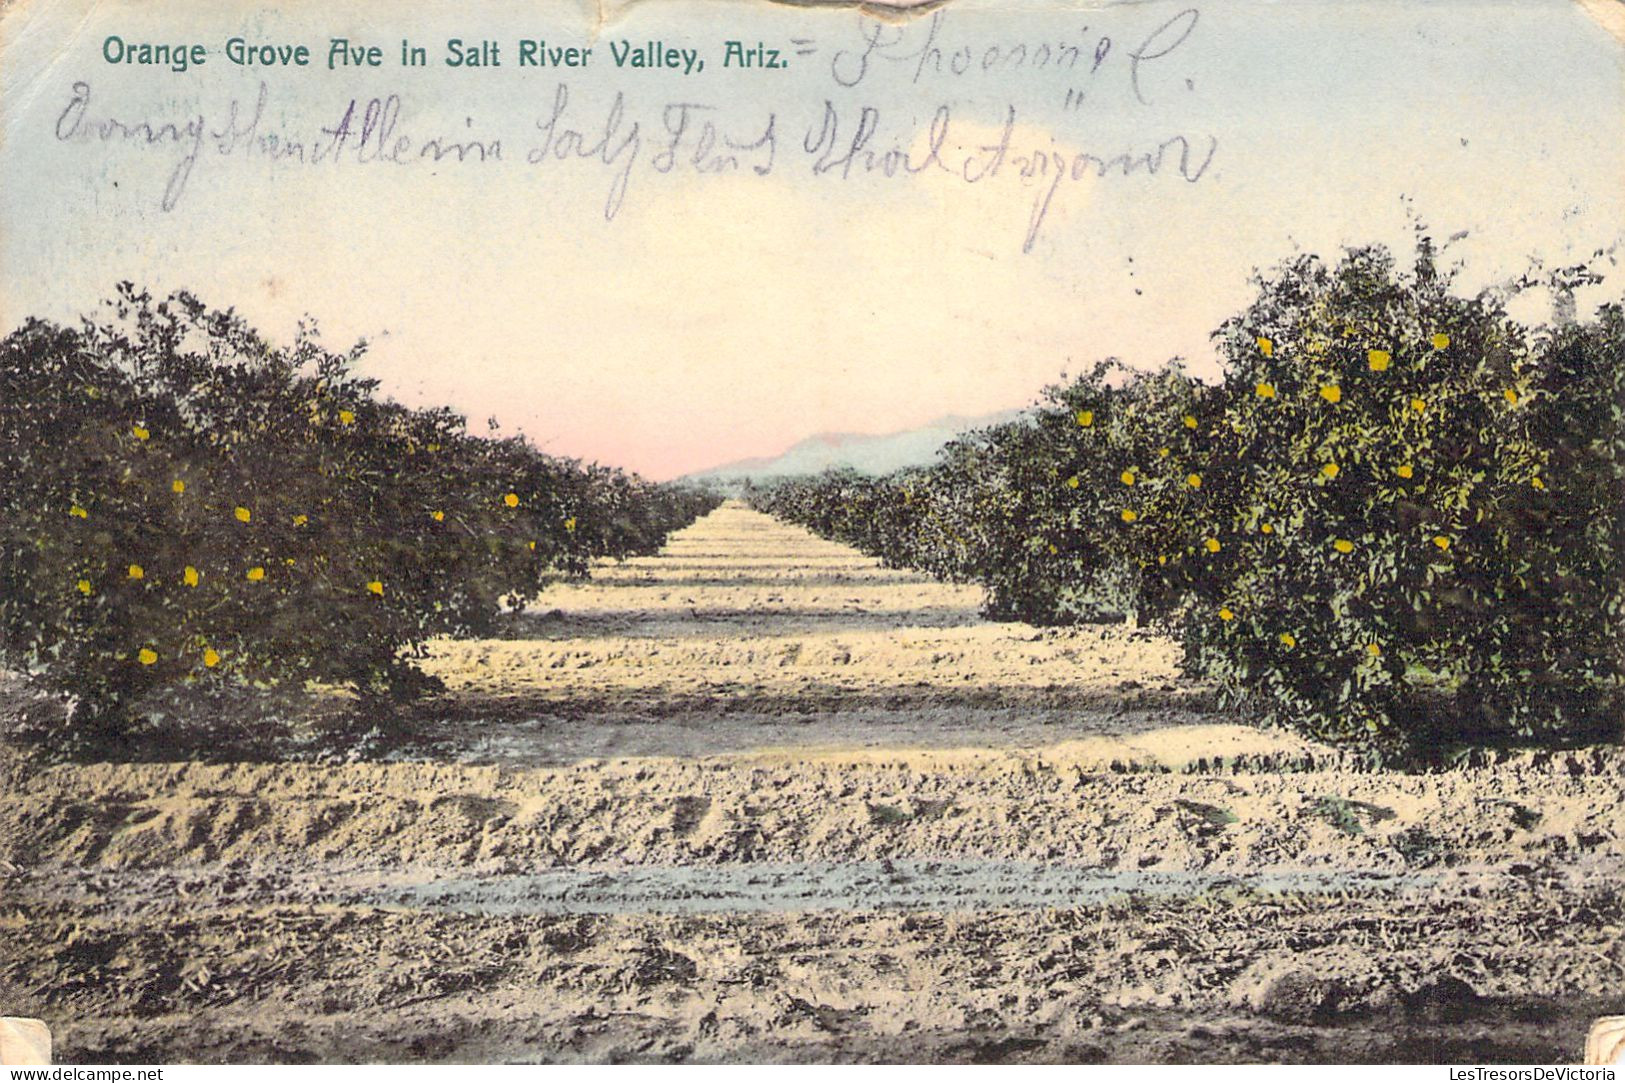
x,y
757,798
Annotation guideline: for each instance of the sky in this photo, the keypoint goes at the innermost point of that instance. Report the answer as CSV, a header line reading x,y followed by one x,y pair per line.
x,y
668,313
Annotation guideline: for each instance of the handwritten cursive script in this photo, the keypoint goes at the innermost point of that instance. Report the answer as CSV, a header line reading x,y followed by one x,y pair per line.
x,y
840,143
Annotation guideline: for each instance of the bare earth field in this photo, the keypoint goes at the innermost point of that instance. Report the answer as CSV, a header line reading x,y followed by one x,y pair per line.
x,y
760,799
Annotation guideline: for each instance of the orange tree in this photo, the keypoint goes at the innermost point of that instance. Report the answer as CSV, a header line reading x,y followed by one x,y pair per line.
x,y
182,502
1395,525
996,501
1422,578
1069,512
1139,475
1566,535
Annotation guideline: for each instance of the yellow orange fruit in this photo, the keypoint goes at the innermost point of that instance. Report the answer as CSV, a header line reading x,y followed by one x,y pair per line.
x,y
1085,418
376,587
1378,360
137,572
84,586
255,574
1406,471
1126,477
177,486
1129,515
1332,393
1343,545
1441,341
190,576
1226,613
1193,480
211,657
1330,470
147,656
1288,640
1265,391
243,514
1266,347
1212,545
512,500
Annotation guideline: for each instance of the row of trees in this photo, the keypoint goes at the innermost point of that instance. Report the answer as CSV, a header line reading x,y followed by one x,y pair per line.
x,y
1397,523
181,501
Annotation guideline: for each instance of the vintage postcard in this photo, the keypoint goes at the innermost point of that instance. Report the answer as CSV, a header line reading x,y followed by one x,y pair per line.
x,y
676,531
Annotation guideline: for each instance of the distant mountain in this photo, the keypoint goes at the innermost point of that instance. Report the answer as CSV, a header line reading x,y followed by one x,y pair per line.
x,y
868,453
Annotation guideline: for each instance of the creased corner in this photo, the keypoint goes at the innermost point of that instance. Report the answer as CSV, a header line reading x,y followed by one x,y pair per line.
x,y
900,12
1608,14
606,12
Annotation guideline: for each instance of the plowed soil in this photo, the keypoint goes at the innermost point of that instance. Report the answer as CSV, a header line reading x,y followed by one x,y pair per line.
x,y
759,799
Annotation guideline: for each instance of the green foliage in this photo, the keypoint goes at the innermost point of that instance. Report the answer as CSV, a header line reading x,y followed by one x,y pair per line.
x,y
1395,525
182,502
1213,816
1350,817
888,815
